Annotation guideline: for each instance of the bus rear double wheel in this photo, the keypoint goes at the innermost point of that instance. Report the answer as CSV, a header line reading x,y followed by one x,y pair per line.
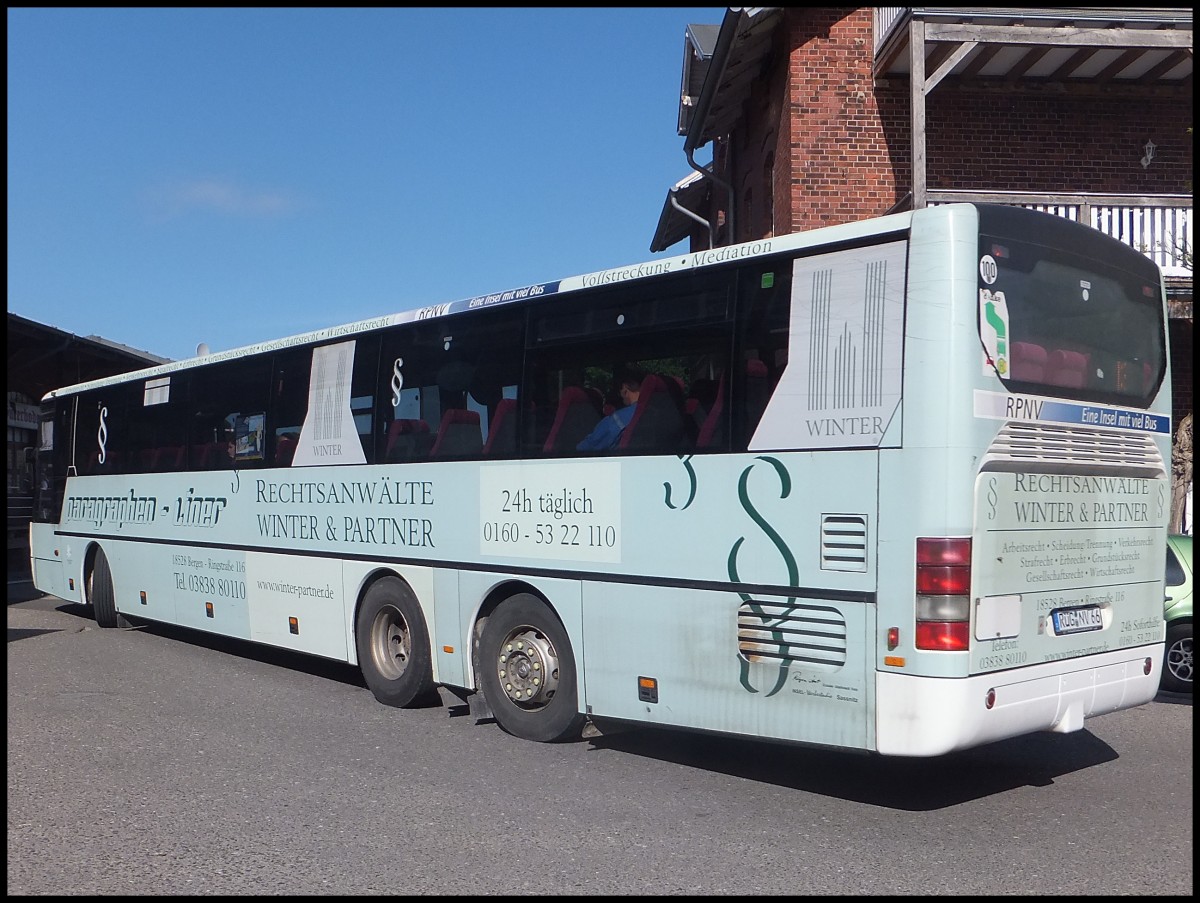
x,y
527,671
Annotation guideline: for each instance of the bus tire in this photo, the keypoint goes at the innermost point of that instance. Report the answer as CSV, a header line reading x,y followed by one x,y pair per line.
x,y
527,671
1177,659
393,645
101,595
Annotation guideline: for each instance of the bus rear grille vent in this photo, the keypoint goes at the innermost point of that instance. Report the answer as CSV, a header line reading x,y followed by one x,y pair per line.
x,y
1047,448
812,635
843,542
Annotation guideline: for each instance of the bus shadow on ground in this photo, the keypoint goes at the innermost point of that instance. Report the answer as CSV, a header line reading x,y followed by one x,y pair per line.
x,y
18,633
270,655
912,785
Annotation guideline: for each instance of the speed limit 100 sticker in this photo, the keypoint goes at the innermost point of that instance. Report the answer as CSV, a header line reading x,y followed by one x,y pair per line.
x,y
987,269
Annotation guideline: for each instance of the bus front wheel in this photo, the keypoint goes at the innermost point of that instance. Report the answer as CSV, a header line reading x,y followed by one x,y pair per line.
x,y
393,645
100,593
527,671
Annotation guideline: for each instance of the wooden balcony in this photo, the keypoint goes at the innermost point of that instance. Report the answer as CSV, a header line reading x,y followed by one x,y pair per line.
x,y
1069,45
1068,48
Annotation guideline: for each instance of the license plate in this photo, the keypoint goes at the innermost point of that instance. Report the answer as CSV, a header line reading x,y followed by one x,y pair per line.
x,y
1076,620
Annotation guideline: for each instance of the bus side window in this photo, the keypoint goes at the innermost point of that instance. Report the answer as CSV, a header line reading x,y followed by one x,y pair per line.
x,y
458,435
229,405
757,393
764,311
673,335
289,404
363,386
292,389
102,432
575,416
156,423
441,383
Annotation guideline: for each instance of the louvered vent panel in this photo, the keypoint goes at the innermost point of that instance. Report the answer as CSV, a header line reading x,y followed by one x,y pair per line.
x,y
843,542
813,635
1035,445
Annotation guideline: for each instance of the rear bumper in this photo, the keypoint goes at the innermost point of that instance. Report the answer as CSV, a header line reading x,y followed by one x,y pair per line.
x,y
928,716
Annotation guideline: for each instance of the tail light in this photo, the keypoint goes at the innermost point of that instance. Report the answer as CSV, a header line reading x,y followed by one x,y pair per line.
x,y
943,593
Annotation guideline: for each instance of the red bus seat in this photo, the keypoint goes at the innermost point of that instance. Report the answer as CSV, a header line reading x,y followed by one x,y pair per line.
x,y
1028,362
458,435
658,421
712,428
406,439
577,415
1067,368
502,431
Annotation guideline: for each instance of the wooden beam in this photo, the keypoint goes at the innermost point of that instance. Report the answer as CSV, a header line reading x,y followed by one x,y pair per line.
x,y
982,58
916,90
1120,64
948,64
1111,38
1026,62
1074,61
1163,67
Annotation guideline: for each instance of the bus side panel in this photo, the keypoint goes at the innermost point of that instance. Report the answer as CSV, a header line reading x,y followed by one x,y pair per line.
x,y
728,660
282,587
147,577
48,574
715,660
248,595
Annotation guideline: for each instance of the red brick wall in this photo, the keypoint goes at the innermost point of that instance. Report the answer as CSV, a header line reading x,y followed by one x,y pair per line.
x,y
1035,140
841,141
842,162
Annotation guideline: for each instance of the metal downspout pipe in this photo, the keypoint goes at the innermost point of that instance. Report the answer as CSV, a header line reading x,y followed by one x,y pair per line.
x,y
695,216
728,188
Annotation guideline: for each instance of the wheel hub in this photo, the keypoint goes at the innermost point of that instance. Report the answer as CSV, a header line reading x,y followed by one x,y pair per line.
x,y
528,668
1179,659
390,643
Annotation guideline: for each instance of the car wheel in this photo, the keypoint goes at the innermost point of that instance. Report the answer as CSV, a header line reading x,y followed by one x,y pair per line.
x,y
1177,661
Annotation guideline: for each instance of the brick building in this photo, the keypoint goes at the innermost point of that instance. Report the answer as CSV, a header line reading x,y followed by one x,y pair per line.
x,y
826,115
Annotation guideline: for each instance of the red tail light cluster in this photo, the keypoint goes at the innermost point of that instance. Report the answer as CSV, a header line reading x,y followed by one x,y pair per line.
x,y
943,593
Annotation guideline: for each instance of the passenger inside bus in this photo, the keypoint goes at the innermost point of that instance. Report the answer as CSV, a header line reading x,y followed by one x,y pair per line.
x,y
658,422
608,431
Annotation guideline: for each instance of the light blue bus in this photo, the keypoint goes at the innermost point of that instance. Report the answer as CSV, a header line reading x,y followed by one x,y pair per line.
x,y
899,485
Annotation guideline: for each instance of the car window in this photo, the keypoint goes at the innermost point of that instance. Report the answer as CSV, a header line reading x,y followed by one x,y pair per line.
x,y
1174,569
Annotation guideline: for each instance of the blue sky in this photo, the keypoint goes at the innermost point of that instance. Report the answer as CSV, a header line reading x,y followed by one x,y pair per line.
x,y
230,176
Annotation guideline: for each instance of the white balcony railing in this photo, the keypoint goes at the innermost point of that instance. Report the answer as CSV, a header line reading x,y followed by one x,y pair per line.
x,y
1159,226
885,19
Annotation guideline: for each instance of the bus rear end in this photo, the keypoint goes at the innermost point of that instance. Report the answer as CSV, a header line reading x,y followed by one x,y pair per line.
x,y
1036,598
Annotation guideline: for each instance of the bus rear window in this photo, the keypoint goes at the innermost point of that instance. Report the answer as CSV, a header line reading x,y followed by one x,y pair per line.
x,y
1071,325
